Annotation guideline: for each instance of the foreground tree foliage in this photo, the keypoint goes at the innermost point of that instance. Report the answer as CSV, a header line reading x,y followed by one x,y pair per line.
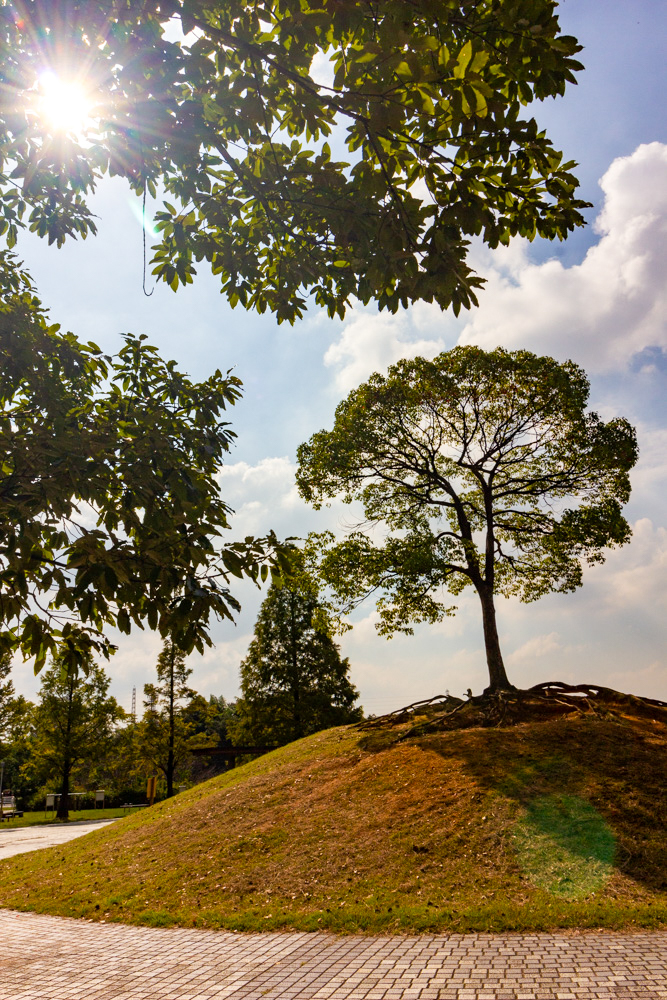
x,y
425,100
293,680
110,511
482,469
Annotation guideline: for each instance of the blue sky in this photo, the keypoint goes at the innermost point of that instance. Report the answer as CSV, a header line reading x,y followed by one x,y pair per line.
x,y
599,298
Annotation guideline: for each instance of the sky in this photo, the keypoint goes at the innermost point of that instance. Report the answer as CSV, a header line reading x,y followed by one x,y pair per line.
x,y
600,298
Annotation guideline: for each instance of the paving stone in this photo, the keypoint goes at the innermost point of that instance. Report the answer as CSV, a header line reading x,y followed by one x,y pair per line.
x,y
47,958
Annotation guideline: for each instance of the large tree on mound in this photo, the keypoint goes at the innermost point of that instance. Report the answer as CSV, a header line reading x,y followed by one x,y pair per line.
x,y
427,102
293,680
483,469
110,509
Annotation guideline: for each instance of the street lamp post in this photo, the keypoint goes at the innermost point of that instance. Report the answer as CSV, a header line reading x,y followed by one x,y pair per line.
x,y
2,781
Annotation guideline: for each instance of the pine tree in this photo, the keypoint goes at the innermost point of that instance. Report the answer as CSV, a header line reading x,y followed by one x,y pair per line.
x,y
293,679
74,722
15,716
7,698
163,732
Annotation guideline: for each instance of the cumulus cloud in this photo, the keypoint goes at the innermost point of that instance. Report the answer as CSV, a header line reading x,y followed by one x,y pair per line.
x,y
217,670
603,312
537,647
396,672
608,632
634,579
371,342
263,496
606,309
649,477
608,314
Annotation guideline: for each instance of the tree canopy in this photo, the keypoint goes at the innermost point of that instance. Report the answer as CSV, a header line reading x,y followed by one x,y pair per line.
x,y
73,722
162,734
300,147
293,680
482,469
110,510
10,705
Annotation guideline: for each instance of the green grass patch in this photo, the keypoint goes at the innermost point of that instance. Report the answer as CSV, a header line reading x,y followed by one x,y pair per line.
x,y
565,846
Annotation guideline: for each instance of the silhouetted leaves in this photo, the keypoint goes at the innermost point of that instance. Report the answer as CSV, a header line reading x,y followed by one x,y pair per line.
x,y
427,105
110,509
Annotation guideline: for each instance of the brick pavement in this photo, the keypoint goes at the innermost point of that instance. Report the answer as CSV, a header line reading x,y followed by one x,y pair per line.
x,y
46,958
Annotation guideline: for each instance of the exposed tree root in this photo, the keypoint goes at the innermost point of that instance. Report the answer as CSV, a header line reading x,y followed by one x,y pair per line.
x,y
514,706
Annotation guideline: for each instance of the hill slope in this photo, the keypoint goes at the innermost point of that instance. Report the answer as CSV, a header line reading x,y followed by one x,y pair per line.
x,y
543,824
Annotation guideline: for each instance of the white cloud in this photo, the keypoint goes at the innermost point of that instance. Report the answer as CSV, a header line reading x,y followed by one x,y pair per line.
x,y
393,673
536,648
263,496
606,309
603,312
268,475
608,632
650,473
371,342
600,312
634,579
217,670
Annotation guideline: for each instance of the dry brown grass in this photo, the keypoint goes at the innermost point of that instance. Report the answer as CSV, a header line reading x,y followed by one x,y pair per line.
x,y
367,830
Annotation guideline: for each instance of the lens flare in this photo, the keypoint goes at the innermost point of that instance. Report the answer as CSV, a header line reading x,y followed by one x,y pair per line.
x,y
64,104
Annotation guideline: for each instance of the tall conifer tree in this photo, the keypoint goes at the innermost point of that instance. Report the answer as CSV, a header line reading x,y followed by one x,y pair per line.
x,y
293,679
163,732
73,722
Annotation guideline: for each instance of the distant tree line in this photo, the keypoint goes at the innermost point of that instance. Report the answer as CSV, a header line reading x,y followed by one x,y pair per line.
x,y
77,737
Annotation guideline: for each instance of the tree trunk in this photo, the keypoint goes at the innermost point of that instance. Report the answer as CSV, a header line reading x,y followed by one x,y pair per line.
x,y
63,805
494,658
296,687
172,724
170,773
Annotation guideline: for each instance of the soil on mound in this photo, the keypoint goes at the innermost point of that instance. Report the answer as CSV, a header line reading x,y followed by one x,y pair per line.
x,y
390,827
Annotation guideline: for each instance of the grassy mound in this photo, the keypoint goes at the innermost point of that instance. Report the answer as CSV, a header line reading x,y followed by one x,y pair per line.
x,y
556,823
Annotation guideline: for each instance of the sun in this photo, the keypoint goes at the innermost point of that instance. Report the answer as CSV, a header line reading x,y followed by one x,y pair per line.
x,y
64,105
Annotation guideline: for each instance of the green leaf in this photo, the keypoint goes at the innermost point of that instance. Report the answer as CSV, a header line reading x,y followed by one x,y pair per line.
x,y
224,133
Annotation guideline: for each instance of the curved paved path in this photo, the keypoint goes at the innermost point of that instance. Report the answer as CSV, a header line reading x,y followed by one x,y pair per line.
x,y
21,839
46,958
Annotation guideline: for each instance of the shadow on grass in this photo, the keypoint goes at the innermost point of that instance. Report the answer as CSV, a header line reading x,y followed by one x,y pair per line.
x,y
590,793
565,846
593,788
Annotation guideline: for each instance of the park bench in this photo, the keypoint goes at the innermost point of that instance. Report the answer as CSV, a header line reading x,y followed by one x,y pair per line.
x,y
9,809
